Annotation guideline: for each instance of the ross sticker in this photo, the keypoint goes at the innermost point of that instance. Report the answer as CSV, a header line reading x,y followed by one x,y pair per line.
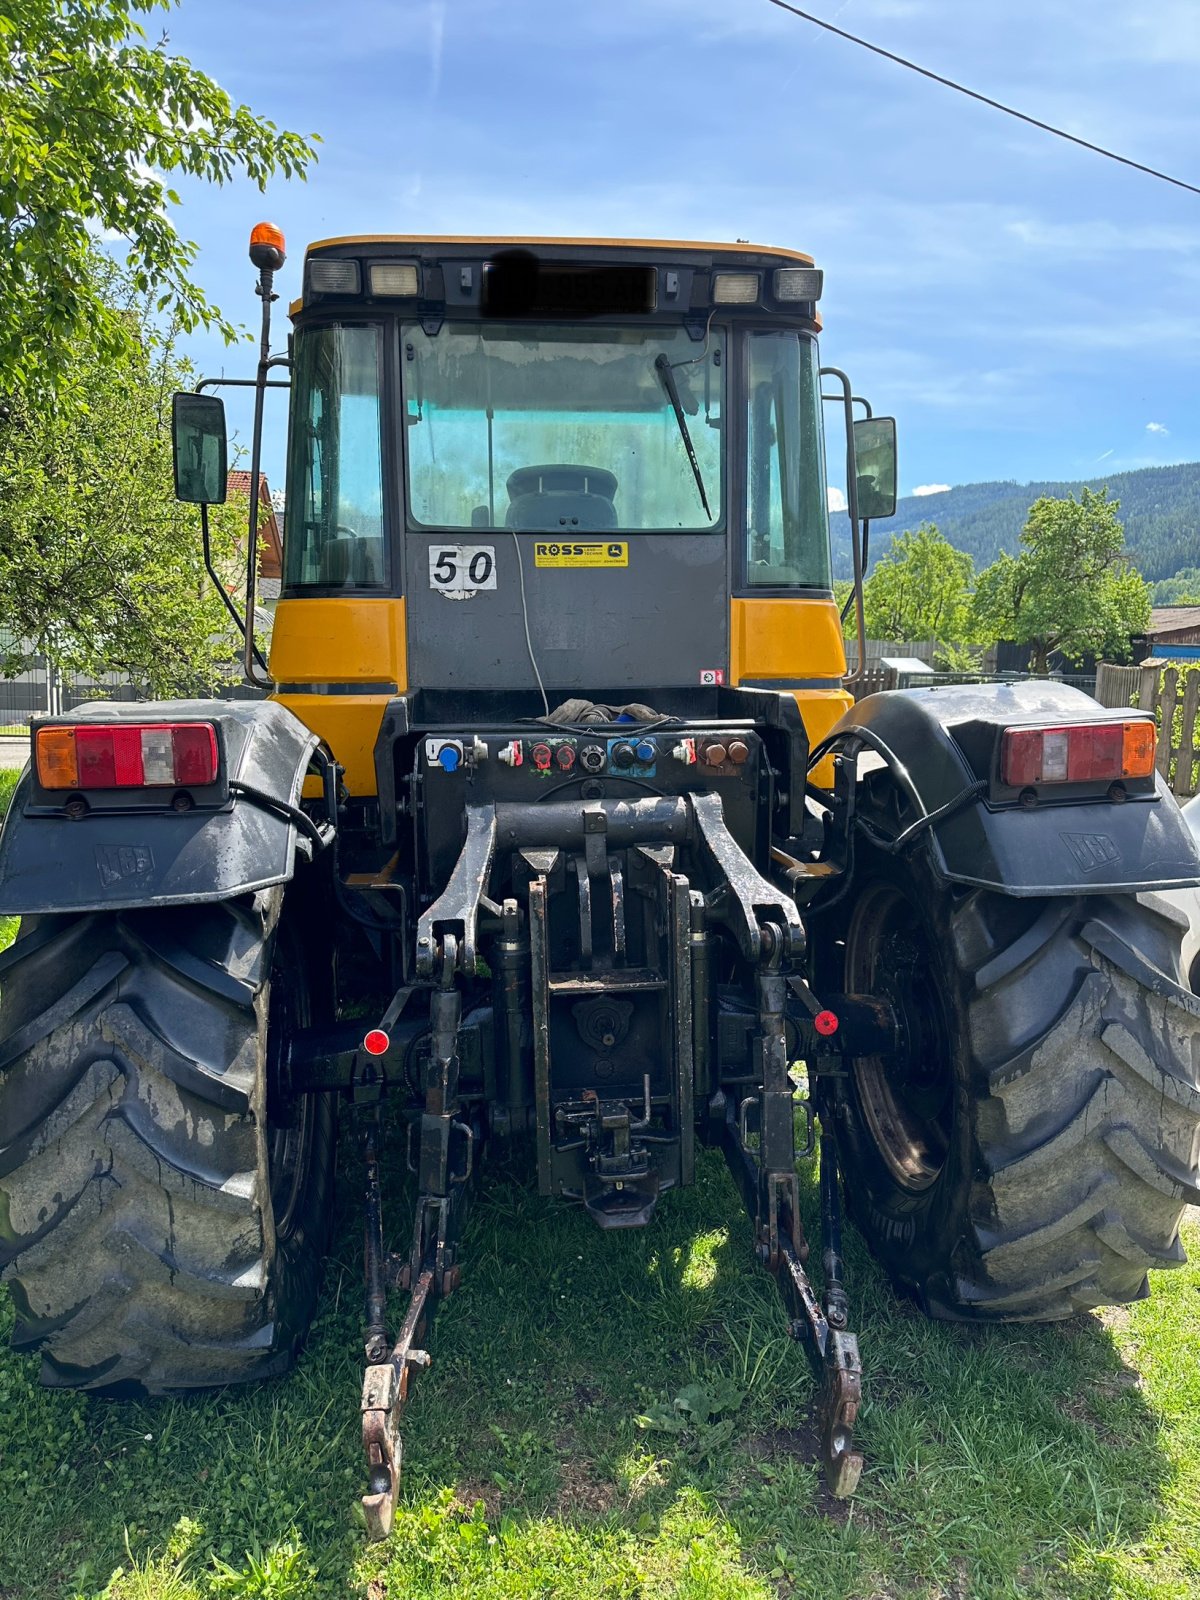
x,y
461,569
711,675
594,554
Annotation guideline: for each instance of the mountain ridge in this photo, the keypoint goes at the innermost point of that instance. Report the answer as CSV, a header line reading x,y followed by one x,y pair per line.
x,y
1160,510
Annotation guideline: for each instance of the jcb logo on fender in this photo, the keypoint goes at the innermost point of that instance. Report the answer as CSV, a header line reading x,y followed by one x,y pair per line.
x,y
116,863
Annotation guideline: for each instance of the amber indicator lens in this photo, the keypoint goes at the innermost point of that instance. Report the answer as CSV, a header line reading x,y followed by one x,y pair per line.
x,y
1095,752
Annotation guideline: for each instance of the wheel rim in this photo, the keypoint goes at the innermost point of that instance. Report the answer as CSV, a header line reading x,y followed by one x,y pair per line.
x,y
289,1115
907,1098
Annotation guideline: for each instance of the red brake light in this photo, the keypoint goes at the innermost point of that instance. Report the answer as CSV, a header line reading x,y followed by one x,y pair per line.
x,y
127,755
1094,752
195,748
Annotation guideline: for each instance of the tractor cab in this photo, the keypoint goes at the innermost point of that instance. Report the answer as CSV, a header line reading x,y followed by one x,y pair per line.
x,y
533,470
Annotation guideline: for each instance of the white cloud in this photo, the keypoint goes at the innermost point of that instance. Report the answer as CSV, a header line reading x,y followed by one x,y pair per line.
x,y
1157,427
1095,237
437,45
931,488
837,500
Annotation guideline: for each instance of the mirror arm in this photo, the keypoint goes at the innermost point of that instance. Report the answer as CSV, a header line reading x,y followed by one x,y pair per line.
x,y
249,383
847,400
858,400
264,290
219,586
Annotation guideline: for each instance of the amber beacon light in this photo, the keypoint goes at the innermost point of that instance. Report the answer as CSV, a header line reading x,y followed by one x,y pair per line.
x,y
267,246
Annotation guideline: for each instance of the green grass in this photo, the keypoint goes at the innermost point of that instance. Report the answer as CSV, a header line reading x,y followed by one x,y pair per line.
x,y
1059,1461
8,782
1022,1462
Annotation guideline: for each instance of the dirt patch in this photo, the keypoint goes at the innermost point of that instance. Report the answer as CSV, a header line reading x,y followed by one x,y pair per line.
x,y
376,1589
1115,1317
581,1492
472,1491
802,1443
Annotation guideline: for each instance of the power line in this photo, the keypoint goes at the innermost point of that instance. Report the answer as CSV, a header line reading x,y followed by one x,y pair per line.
x,y
973,94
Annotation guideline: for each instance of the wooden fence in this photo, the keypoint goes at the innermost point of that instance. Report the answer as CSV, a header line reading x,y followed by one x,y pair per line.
x,y
1117,687
1173,694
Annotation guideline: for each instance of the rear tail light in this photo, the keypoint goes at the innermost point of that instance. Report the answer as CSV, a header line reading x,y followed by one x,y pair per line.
x,y
123,755
1096,752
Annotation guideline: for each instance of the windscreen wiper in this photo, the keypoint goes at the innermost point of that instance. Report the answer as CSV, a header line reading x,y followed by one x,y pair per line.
x,y
663,367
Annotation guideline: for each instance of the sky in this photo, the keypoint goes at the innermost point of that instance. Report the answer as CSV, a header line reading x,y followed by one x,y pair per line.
x,y
1026,309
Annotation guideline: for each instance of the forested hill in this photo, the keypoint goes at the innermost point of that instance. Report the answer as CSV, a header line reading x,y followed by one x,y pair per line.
x,y
1160,508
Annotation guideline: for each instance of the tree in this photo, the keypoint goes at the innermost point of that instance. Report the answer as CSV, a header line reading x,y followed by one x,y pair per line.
x,y
1181,590
100,566
1071,587
921,589
92,116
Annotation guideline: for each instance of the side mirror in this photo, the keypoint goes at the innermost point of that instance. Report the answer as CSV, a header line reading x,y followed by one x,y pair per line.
x,y
875,466
198,448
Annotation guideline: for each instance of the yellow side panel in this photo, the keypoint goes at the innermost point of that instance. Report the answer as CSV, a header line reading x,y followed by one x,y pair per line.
x,y
342,642
347,640
781,642
349,725
820,709
785,639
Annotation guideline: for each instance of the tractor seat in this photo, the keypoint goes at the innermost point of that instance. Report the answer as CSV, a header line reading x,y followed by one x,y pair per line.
x,y
554,499
347,563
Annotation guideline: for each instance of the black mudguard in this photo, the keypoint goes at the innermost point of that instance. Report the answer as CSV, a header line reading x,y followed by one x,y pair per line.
x,y
946,740
148,855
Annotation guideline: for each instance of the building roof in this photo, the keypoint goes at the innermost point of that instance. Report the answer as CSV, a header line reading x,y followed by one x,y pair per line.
x,y
270,560
1173,619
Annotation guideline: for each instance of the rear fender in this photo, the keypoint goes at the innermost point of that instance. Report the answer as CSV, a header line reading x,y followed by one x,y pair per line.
x,y
1188,902
943,739
115,860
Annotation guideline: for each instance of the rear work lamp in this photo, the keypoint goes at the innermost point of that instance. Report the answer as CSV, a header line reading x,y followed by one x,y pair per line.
x,y
735,288
333,277
1094,752
798,283
394,278
127,756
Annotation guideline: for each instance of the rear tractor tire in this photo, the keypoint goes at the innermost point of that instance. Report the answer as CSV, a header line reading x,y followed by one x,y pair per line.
x,y
164,1201
1029,1153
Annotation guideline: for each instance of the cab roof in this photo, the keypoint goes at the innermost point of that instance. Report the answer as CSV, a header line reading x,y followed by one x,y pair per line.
x,y
738,249
694,260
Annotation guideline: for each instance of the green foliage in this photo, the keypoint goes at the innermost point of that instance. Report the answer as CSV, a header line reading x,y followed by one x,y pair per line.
x,y
695,1414
8,782
93,116
100,566
920,589
1160,507
1181,590
1070,589
958,658
1181,769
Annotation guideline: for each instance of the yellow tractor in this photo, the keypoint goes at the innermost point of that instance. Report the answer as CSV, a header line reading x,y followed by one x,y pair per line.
x,y
559,831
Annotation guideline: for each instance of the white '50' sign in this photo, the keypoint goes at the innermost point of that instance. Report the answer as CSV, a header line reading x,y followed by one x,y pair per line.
x,y
460,569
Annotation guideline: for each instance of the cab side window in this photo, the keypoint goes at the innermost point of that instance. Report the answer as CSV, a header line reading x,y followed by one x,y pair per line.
x,y
335,532
787,523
